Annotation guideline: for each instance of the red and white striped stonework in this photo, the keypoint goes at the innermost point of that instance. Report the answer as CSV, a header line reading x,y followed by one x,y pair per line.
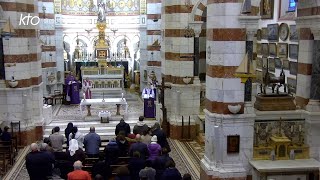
x,y
304,67
225,51
21,52
175,19
153,36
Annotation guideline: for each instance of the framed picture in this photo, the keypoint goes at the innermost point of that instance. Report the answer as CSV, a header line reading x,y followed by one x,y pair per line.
x,y
264,62
292,84
266,9
272,65
265,49
259,63
233,144
102,53
273,32
293,67
278,63
264,33
258,49
285,64
258,76
273,49
293,51
259,35
293,33
282,50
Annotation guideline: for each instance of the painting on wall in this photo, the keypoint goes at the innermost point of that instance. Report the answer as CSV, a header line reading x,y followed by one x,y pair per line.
x,y
293,67
282,50
258,49
273,49
293,33
266,9
259,63
293,51
264,33
273,32
285,64
278,63
259,35
292,84
272,66
265,49
233,144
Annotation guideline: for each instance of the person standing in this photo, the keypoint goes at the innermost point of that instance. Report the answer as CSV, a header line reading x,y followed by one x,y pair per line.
x,y
148,171
87,85
140,127
140,147
78,173
92,142
154,148
123,126
6,136
75,134
39,164
67,131
56,139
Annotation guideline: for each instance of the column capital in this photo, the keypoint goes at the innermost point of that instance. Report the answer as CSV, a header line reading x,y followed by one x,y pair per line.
x,y
251,23
196,26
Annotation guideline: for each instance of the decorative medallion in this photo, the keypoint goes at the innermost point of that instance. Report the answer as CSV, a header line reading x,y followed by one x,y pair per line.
x,y
284,31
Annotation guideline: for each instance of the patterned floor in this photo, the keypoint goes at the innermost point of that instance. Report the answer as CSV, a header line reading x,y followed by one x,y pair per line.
x,y
185,158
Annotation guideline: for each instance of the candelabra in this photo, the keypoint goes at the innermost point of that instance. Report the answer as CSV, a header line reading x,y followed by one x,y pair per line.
x,y
114,30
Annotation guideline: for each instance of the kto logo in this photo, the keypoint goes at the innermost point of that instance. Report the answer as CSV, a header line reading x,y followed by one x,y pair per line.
x,y
26,20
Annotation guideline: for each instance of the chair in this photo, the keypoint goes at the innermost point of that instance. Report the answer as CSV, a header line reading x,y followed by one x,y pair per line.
x,y
57,95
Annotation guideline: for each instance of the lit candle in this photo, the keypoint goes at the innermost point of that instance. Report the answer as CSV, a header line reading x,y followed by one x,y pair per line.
x,y
291,128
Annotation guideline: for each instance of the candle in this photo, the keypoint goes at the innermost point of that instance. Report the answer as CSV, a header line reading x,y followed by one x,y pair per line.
x,y
300,128
291,128
267,128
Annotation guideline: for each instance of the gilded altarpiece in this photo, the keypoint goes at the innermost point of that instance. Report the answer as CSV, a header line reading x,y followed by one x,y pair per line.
x,y
280,137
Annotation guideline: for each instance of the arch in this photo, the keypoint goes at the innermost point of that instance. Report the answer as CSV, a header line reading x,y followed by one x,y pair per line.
x,y
198,9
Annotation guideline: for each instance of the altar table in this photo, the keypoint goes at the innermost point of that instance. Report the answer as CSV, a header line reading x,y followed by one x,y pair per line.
x,y
115,101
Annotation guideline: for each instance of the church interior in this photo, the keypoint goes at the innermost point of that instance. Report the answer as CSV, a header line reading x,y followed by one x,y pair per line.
x,y
232,83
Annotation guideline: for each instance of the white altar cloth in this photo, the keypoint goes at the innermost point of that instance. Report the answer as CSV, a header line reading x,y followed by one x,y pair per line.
x,y
106,101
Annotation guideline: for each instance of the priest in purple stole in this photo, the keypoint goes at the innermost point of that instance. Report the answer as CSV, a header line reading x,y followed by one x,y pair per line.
x,y
72,90
148,96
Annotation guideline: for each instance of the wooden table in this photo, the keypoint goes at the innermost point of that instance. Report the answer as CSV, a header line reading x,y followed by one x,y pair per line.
x,y
115,101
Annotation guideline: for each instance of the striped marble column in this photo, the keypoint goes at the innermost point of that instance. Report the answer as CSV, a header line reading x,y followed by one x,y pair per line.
x,y
154,37
224,113
22,61
183,99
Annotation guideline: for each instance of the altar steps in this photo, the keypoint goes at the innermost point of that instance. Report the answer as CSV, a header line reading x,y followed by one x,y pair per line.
x,y
105,130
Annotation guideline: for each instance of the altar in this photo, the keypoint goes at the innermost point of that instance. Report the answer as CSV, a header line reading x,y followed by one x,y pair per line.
x,y
96,102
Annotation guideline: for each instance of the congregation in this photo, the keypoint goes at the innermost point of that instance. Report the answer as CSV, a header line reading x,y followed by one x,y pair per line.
x,y
140,154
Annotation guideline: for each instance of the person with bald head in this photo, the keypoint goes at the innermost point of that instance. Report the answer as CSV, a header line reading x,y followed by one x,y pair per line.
x,y
92,142
39,164
78,173
140,147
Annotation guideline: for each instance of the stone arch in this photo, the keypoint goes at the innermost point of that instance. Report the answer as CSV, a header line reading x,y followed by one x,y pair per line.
x,y
198,10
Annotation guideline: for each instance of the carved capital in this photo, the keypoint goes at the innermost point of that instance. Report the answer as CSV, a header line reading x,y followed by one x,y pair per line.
x,y
196,26
251,23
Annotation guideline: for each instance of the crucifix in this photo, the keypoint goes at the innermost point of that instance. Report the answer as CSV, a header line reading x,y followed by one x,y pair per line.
x,y
165,124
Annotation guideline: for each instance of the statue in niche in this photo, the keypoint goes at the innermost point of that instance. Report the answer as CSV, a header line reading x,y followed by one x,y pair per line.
x,y
101,12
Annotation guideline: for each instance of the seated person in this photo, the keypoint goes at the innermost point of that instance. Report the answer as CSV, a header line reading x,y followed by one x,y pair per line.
x,y
6,136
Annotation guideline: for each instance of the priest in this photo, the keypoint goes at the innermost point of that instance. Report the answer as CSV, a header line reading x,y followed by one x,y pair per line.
x,y
148,95
87,85
72,89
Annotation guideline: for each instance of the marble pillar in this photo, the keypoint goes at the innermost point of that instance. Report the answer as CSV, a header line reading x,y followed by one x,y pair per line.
x,y
315,77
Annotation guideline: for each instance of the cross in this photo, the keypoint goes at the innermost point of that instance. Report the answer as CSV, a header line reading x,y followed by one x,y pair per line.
x,y
165,124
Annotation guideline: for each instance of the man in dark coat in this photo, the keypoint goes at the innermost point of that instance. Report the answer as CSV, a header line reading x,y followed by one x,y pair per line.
x,y
162,138
140,147
135,165
140,127
171,172
112,152
123,126
160,163
39,164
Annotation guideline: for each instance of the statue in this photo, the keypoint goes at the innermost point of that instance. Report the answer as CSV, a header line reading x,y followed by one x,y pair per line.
x,y
101,12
